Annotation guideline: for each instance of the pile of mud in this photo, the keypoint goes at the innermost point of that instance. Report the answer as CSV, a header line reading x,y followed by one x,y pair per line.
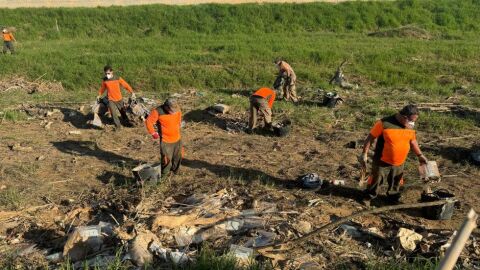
x,y
23,84
408,31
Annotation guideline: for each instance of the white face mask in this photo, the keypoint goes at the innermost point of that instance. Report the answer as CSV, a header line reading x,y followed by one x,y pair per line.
x,y
411,124
109,76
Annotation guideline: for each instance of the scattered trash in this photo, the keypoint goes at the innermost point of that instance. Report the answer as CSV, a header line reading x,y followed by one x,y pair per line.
x,y
374,231
429,171
440,212
98,262
315,202
52,112
75,132
281,129
311,180
332,99
475,157
338,182
147,173
83,241
339,78
243,254
48,125
139,251
219,108
184,236
27,250
178,258
40,158
303,227
264,238
234,225
55,257
408,239
19,148
350,230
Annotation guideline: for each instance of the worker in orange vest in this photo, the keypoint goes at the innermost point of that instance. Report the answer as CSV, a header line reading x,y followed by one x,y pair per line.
x,y
8,40
111,85
261,101
168,119
395,137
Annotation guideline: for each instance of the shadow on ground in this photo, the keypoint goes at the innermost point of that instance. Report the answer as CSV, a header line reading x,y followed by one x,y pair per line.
x,y
237,173
89,148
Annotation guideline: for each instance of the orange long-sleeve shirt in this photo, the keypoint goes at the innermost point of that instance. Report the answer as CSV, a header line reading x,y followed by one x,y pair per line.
x,y
170,124
267,94
8,37
113,88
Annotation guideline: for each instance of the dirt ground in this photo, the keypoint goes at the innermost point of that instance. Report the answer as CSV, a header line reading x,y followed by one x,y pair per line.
x,y
52,172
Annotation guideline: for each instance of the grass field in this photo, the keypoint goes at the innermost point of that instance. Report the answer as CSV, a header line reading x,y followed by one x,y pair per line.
x,y
222,50
164,49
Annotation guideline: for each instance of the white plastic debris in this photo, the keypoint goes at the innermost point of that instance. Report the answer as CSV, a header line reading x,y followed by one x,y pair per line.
x,y
408,239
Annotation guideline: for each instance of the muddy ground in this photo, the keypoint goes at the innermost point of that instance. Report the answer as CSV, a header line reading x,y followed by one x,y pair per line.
x,y
58,179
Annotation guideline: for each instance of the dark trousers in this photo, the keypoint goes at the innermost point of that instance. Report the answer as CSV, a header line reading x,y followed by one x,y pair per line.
x,y
171,156
116,108
8,46
381,172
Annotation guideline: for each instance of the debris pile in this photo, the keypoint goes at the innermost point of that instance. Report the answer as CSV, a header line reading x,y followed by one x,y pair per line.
x,y
36,86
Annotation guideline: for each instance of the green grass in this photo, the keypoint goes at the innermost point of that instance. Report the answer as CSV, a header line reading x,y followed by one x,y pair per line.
x,y
11,198
225,49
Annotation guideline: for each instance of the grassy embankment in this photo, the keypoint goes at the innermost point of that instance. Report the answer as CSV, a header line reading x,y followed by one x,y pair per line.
x,y
222,49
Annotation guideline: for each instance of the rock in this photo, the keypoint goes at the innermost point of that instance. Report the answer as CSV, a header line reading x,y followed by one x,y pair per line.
x,y
75,132
408,239
303,227
2,187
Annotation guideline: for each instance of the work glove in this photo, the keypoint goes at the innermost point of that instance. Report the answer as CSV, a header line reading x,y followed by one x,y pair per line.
x,y
99,98
363,160
422,159
155,136
133,96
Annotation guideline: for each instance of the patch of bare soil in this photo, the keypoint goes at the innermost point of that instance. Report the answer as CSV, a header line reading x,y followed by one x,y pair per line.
x,y
61,174
408,31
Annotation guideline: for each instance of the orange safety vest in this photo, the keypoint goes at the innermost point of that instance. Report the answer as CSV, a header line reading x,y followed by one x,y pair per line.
x,y
393,143
7,37
267,94
113,88
169,124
